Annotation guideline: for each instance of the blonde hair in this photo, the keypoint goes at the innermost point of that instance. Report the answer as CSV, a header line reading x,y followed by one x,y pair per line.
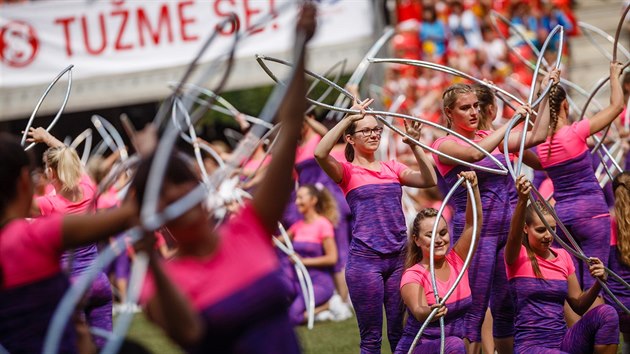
x,y
326,205
450,96
621,188
66,163
413,254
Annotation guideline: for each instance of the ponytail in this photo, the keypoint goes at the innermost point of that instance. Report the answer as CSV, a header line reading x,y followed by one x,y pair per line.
x,y
65,161
557,95
621,189
349,150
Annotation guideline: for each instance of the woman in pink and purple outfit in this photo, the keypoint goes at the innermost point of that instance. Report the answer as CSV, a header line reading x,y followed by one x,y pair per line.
x,y
373,191
541,279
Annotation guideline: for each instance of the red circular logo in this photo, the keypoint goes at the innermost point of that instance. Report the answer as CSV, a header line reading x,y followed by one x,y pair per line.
x,y
18,44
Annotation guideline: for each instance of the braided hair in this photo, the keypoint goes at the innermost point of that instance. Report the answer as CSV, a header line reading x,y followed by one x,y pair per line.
x,y
557,95
621,188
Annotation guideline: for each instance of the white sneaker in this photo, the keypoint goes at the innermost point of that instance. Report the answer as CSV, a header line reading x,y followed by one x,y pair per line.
x,y
344,314
339,308
325,315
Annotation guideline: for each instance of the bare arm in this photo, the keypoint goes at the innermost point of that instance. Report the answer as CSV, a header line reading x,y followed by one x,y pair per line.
x,y
532,160
329,164
273,193
465,241
580,301
425,177
539,131
606,116
80,230
317,127
170,309
416,301
513,245
40,135
329,258
469,153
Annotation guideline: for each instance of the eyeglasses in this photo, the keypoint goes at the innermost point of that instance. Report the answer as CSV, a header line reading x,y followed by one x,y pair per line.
x,y
368,132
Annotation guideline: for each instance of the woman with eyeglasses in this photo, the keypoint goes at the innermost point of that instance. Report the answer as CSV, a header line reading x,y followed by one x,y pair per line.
x,y
373,191
488,280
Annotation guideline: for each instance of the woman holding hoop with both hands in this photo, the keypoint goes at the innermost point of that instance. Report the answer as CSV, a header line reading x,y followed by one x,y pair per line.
x,y
373,191
541,279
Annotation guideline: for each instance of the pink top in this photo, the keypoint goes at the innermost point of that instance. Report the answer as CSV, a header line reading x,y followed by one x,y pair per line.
x,y
356,176
568,142
314,232
244,254
252,165
445,168
109,199
418,274
306,151
30,251
338,154
55,203
558,268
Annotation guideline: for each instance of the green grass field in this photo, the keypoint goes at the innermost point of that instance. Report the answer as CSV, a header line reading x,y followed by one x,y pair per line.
x,y
325,337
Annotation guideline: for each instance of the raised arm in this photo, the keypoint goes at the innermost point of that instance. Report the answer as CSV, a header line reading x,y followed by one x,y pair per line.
x,y
170,309
606,116
532,160
468,153
580,301
513,245
317,127
540,130
425,177
329,164
40,135
272,195
462,246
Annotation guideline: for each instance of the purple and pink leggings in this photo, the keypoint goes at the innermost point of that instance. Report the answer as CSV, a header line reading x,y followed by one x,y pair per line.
x,y
599,326
373,282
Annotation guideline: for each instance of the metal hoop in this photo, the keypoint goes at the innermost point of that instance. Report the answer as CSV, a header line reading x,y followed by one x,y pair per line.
x,y
361,69
471,250
378,114
68,70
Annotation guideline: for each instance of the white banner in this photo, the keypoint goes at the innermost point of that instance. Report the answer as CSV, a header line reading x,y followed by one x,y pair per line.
x,y
117,38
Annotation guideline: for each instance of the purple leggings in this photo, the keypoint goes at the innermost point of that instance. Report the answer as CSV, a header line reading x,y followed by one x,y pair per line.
x,y
98,309
489,286
452,345
599,326
323,289
593,236
372,282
